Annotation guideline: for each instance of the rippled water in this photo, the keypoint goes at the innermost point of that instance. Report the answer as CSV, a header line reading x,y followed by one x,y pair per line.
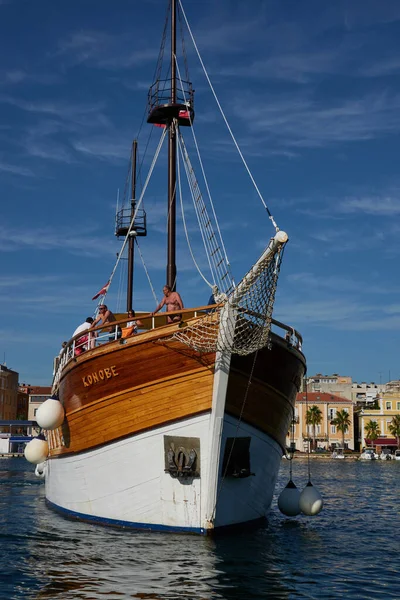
x,y
351,550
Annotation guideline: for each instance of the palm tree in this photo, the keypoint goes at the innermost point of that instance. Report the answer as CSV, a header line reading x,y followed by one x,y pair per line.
x,y
372,431
394,428
342,422
314,418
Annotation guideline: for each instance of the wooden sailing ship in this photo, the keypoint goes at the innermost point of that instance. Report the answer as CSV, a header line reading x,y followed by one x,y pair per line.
x,y
182,426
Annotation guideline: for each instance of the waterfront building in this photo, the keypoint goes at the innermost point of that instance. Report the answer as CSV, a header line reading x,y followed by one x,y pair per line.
x,y
338,385
388,405
37,395
8,394
366,394
327,436
22,404
361,394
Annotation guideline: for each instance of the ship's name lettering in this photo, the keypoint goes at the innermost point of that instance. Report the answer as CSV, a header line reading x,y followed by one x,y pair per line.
x,y
100,375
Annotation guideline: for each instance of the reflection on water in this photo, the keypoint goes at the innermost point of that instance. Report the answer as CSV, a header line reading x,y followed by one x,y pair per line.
x,y
350,550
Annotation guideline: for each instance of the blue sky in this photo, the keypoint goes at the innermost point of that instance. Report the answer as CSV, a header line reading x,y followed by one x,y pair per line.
x,y
312,92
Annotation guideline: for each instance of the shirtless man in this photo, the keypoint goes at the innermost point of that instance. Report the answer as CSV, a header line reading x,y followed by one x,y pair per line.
x,y
172,301
105,316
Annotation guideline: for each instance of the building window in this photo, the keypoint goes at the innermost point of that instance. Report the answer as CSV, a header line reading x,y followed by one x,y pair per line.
x,y
34,412
398,406
332,413
333,428
34,398
388,406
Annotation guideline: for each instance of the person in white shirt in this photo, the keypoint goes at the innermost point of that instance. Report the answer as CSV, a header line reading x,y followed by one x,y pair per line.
x,y
81,341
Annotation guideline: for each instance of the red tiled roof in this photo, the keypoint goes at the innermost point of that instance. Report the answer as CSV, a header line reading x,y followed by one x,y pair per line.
x,y
321,398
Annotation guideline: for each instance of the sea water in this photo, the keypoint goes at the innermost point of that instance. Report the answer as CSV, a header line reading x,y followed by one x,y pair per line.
x,y
350,550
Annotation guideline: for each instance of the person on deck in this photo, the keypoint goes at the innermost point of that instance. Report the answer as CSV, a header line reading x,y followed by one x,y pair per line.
x,y
81,341
105,317
131,325
172,301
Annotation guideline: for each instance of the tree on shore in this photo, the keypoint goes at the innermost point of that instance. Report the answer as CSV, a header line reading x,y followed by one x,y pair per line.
x,y
394,428
314,418
342,422
372,431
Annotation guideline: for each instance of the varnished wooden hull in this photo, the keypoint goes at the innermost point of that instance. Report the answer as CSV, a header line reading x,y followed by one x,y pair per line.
x,y
120,404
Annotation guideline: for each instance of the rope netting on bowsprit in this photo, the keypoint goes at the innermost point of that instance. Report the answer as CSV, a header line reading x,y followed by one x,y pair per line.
x,y
241,323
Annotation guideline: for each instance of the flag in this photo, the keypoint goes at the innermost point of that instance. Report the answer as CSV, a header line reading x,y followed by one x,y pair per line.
x,y
184,114
103,291
159,125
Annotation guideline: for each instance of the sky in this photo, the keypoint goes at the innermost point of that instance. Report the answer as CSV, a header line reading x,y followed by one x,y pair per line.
x,y
311,91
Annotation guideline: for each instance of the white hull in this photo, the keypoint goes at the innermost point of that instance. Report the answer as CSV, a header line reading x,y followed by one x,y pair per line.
x,y
124,483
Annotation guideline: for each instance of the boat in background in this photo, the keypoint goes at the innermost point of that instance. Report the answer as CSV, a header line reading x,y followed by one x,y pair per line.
x,y
338,453
368,454
182,426
386,454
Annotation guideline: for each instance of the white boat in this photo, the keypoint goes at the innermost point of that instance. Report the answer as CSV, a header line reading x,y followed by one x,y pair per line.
x,y
182,426
386,454
338,454
396,455
368,454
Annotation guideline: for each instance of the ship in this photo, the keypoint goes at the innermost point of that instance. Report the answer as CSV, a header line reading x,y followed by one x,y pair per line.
x,y
180,427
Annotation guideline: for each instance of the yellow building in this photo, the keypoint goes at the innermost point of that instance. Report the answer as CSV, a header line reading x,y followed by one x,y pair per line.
x,y
327,436
389,406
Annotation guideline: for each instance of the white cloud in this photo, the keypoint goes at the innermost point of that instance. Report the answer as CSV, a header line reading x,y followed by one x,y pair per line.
x,y
16,170
338,314
62,109
374,205
22,281
74,240
105,51
299,121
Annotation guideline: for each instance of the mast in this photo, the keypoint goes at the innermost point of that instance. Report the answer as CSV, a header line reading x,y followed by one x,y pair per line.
x,y
131,241
171,223
170,104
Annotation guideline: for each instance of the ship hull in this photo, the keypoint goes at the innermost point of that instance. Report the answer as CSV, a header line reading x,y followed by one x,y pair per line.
x,y
109,461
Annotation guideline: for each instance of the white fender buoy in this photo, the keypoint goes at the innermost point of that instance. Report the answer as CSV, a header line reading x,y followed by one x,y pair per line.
x,y
50,414
40,470
310,501
36,450
288,501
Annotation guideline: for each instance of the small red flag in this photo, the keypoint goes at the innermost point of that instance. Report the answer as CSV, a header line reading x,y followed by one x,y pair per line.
x,y
184,114
103,291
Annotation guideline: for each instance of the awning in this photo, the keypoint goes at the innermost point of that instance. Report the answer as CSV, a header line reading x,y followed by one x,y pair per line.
x,y
381,442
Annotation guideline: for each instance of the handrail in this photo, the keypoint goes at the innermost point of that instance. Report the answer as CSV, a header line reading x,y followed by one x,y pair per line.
x,y
103,333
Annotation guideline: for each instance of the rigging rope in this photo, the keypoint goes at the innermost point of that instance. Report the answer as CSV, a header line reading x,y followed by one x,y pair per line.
x,y
206,181
209,240
138,205
241,323
226,121
146,271
184,221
